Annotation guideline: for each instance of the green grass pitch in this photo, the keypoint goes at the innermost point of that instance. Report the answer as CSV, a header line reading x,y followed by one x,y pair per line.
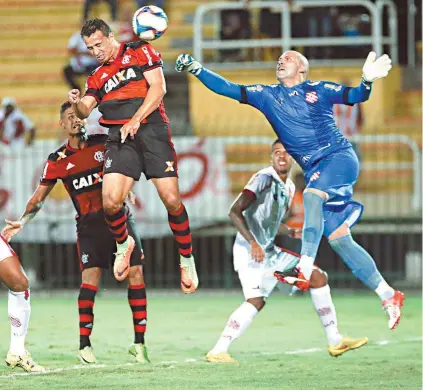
x,y
285,348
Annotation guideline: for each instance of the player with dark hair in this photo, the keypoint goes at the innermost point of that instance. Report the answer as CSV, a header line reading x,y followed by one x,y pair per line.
x,y
257,214
128,87
301,114
79,165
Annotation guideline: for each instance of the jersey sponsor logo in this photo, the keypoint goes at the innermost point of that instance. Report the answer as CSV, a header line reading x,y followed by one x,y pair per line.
x,y
87,181
311,97
69,166
126,59
116,79
148,55
99,156
255,88
295,93
84,258
336,88
62,155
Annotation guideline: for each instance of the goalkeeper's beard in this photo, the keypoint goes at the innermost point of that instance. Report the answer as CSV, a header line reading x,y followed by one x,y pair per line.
x,y
81,136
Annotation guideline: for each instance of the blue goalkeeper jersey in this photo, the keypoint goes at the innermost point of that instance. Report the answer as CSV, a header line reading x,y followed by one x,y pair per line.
x,y
301,116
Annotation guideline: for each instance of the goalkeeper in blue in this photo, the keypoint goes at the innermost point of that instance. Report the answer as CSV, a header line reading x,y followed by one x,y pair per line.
x,y
301,114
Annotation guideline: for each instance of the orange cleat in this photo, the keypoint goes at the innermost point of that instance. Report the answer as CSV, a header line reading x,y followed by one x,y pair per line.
x,y
393,307
296,279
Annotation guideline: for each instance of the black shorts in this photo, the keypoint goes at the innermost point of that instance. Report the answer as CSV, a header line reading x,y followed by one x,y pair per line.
x,y
150,152
96,246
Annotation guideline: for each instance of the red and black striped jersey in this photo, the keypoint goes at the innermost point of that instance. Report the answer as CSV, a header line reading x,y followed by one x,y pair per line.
x,y
81,171
120,87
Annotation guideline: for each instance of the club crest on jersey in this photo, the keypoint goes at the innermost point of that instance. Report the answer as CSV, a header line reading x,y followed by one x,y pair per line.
x,y
99,156
126,59
311,97
87,181
115,80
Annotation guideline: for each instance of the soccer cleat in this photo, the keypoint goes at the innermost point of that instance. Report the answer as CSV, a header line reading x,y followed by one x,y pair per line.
x,y
221,357
297,279
86,355
189,278
24,361
347,344
392,307
140,353
123,258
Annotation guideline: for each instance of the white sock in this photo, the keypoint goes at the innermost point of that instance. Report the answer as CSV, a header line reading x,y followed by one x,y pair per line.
x,y
306,266
237,324
19,309
322,302
384,290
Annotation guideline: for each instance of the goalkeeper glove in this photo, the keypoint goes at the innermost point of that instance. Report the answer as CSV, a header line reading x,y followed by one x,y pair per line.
x,y
187,62
374,69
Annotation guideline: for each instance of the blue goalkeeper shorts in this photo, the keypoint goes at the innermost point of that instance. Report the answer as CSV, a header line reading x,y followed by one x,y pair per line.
x,y
336,175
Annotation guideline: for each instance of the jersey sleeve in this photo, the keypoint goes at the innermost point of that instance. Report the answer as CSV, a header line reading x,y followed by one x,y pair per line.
x,y
148,57
258,183
50,172
253,95
91,88
335,93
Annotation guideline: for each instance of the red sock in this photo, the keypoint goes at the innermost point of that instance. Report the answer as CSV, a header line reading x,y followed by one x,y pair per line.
x,y
117,225
86,299
137,299
179,223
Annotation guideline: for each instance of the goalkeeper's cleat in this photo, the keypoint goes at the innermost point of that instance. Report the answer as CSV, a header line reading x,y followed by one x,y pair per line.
x,y
86,355
347,344
123,258
24,361
189,278
393,307
221,357
140,353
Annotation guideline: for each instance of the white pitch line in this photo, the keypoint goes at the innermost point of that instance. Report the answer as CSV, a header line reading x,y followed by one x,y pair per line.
x,y
190,360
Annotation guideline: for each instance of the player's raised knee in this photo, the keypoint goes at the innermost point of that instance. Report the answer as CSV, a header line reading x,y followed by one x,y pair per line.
x,y
319,278
172,202
112,202
19,283
257,302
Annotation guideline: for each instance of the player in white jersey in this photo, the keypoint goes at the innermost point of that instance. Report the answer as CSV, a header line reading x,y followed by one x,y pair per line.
x,y
19,308
257,214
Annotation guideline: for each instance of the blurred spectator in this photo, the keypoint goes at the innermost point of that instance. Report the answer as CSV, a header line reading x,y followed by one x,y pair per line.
x,y
157,3
16,129
81,62
112,4
235,24
126,33
319,24
349,120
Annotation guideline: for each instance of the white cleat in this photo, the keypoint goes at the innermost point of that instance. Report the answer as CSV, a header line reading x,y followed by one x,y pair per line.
x,y
189,278
393,307
24,361
86,355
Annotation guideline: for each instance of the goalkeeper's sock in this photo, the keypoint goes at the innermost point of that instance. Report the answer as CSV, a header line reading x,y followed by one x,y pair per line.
x,y
322,302
137,299
362,265
237,324
19,309
87,293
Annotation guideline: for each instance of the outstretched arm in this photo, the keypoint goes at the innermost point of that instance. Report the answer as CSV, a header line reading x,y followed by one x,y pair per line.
x,y
211,80
32,208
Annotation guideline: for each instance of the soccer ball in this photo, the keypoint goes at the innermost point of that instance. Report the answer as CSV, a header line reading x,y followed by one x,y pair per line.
x,y
149,22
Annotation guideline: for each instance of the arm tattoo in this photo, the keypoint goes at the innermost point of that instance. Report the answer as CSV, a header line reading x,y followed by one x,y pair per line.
x,y
28,215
